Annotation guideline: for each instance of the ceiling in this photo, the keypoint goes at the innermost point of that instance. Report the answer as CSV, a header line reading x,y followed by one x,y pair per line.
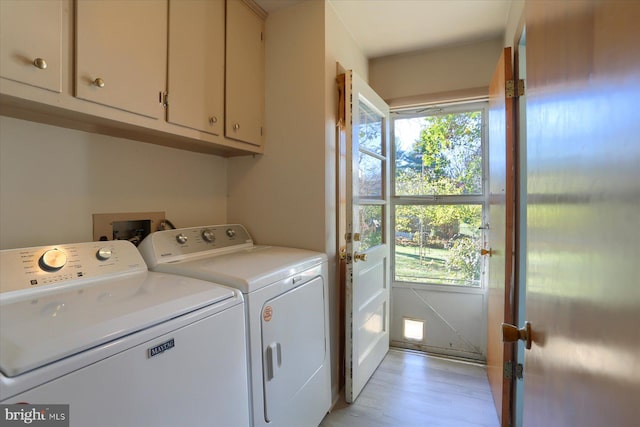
x,y
387,27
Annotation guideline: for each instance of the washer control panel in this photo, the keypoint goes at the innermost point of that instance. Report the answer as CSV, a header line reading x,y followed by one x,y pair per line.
x,y
40,267
168,245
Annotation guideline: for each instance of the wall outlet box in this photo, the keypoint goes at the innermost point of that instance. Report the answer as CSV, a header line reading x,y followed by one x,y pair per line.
x,y
132,226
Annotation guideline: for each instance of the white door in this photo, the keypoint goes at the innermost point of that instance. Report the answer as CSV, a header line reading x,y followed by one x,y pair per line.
x,y
367,234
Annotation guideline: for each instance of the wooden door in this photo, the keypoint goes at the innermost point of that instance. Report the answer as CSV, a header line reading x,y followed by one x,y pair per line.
x,y
501,217
367,243
121,54
583,231
196,64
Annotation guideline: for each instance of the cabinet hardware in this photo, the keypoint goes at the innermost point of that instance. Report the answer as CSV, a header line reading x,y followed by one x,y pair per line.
x,y
98,82
164,99
40,63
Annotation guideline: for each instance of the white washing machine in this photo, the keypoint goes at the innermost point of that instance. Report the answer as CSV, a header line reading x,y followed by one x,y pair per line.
x,y
285,294
89,326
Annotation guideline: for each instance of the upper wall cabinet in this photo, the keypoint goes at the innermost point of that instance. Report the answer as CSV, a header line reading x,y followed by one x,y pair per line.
x,y
196,64
31,42
244,104
121,54
160,71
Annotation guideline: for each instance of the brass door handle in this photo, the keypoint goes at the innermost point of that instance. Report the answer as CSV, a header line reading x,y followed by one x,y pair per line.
x,y
359,257
511,333
486,251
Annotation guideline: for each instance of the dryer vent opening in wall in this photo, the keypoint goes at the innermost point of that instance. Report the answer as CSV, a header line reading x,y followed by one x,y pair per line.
x,y
413,329
126,226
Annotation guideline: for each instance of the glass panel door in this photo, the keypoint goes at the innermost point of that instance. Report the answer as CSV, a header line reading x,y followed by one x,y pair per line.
x,y
439,213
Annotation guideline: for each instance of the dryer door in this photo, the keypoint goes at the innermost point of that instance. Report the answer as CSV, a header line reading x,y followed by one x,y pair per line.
x,y
293,348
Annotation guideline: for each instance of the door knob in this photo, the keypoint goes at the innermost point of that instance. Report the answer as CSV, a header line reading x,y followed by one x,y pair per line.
x,y
511,333
359,257
486,252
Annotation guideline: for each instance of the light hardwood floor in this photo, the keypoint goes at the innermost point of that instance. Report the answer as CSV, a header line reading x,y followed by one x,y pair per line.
x,y
415,389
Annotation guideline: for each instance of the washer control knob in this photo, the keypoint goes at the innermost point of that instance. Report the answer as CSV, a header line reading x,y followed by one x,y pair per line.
x,y
208,235
181,238
231,233
52,260
103,254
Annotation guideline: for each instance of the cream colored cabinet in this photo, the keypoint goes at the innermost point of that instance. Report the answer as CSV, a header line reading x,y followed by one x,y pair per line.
x,y
161,71
244,100
121,54
196,64
31,42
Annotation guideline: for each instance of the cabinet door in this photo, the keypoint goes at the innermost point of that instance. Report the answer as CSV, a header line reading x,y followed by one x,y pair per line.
x,y
196,64
121,54
244,103
31,42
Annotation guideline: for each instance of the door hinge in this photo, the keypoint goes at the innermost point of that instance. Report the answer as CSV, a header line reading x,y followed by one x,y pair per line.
x,y
510,88
164,99
513,371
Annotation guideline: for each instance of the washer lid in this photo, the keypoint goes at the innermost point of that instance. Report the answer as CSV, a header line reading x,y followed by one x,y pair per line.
x,y
37,330
247,269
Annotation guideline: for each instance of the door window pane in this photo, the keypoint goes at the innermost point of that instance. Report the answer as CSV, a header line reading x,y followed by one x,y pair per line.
x,y
438,244
370,226
369,177
370,129
439,154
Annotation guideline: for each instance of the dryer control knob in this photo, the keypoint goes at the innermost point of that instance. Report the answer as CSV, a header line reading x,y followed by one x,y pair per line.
x,y
231,233
181,238
52,260
103,254
208,235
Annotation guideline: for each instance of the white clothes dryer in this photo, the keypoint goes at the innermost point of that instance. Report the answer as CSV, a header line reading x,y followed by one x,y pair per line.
x,y
286,297
89,326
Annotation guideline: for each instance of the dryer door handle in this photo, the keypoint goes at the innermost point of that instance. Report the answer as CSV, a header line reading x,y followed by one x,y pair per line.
x,y
274,359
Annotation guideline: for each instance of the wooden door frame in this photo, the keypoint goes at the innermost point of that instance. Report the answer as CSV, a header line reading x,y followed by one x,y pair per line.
x,y
519,288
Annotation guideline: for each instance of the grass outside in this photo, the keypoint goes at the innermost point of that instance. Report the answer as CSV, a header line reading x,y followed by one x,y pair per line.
x,y
429,268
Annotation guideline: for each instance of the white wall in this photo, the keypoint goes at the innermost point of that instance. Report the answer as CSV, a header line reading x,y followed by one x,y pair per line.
x,y
280,195
288,195
514,21
52,180
435,71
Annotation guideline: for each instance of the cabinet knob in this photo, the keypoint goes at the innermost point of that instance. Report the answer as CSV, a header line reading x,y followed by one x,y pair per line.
x,y
236,126
212,120
40,63
98,82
